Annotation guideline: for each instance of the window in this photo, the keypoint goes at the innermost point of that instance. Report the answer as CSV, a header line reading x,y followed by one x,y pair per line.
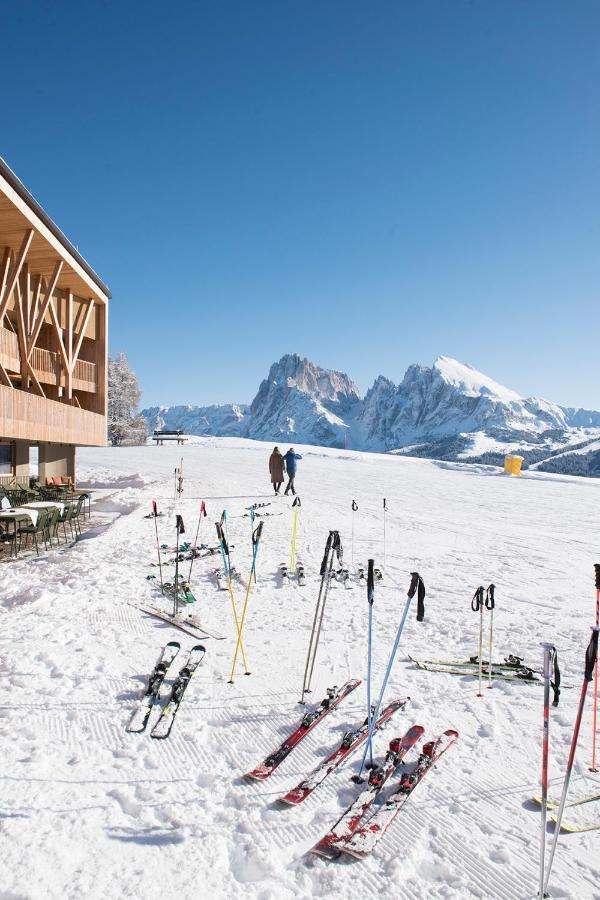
x,y
6,458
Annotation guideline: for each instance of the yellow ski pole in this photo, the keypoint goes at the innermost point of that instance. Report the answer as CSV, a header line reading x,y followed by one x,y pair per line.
x,y
225,555
295,506
239,645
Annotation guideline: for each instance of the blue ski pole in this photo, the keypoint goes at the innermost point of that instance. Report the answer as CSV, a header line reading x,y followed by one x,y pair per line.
x,y
370,598
416,587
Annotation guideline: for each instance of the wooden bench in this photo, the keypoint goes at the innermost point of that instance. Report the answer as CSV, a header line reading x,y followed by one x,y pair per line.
x,y
161,436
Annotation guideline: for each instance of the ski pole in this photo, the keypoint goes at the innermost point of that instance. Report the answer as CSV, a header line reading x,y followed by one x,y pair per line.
x,y
155,514
296,507
595,723
220,526
180,479
252,515
384,512
336,551
255,542
354,508
416,585
591,655
179,527
326,567
201,515
225,554
550,659
490,602
477,604
370,600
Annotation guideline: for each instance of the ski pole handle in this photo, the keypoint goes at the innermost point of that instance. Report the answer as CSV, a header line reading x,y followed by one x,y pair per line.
x,y
591,654
477,600
489,597
371,581
597,568
154,509
179,525
354,506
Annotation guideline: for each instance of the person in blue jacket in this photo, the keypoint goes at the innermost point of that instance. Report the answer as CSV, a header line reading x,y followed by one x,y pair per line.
x,y
291,465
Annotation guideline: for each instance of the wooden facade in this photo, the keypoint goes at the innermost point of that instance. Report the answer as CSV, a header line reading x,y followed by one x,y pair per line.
x,y
53,330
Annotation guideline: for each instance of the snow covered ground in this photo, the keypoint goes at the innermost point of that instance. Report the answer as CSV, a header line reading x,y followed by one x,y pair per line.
x,y
88,810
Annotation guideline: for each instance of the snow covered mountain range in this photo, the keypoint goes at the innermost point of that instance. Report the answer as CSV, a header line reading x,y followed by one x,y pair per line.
x,y
446,411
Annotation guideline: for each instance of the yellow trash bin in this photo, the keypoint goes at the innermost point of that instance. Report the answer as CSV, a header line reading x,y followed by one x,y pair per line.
x,y
512,464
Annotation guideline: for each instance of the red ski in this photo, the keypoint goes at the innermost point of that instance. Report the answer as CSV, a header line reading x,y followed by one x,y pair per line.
x,y
310,719
330,846
366,838
350,742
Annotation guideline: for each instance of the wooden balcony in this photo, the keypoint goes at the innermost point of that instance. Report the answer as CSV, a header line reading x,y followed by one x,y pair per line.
x,y
26,416
46,365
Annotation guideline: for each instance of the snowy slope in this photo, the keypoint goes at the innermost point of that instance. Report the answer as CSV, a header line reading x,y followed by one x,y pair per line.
x,y
91,811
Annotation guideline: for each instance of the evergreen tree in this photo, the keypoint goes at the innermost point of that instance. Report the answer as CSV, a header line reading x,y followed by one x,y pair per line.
x,y
125,424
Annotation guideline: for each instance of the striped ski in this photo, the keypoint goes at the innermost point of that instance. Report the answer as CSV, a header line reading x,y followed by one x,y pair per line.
x,y
350,742
164,723
140,717
330,846
367,837
309,721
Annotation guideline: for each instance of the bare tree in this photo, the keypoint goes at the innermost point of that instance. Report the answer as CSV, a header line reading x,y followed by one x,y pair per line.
x,y
125,424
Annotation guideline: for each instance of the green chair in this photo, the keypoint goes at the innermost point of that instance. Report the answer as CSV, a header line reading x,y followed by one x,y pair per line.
x,y
78,511
34,530
52,525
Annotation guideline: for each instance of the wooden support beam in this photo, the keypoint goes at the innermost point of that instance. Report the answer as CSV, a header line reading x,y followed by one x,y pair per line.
x,y
35,331
69,342
22,336
4,377
59,337
6,259
35,305
26,293
87,315
15,272
34,378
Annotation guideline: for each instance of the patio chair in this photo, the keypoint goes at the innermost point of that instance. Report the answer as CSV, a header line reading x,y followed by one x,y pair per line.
x,y
9,537
34,530
52,525
77,512
67,518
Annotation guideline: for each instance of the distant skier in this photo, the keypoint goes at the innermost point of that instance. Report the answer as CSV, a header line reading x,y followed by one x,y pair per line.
x,y
277,469
290,459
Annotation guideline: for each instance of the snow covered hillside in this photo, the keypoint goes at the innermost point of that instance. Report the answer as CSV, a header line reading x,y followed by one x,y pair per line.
x,y
89,810
446,411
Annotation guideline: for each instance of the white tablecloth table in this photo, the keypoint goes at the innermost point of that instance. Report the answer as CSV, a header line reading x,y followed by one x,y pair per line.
x,y
45,504
19,512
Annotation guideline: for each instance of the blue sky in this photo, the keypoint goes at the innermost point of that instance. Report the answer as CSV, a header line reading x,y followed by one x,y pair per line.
x,y
369,185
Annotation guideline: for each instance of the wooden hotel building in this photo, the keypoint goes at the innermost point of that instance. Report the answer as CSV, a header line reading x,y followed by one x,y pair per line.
x,y
53,341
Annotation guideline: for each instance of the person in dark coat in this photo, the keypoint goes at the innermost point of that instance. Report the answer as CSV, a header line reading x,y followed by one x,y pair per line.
x,y
291,464
277,469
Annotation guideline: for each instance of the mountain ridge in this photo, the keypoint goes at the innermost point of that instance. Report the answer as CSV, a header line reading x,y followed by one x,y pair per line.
x,y
449,410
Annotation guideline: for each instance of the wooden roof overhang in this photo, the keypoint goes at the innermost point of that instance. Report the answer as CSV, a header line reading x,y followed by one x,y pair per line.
x,y
21,214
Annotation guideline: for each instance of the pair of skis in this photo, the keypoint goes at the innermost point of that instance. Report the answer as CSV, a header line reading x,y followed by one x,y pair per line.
x,y
350,742
284,572
358,830
164,723
184,621
311,718
565,826
506,671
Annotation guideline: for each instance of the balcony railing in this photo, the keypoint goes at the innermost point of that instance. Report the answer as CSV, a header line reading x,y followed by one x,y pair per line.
x,y
46,364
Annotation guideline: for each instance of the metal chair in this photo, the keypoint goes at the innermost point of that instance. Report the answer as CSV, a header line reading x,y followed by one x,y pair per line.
x,y
34,530
52,525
